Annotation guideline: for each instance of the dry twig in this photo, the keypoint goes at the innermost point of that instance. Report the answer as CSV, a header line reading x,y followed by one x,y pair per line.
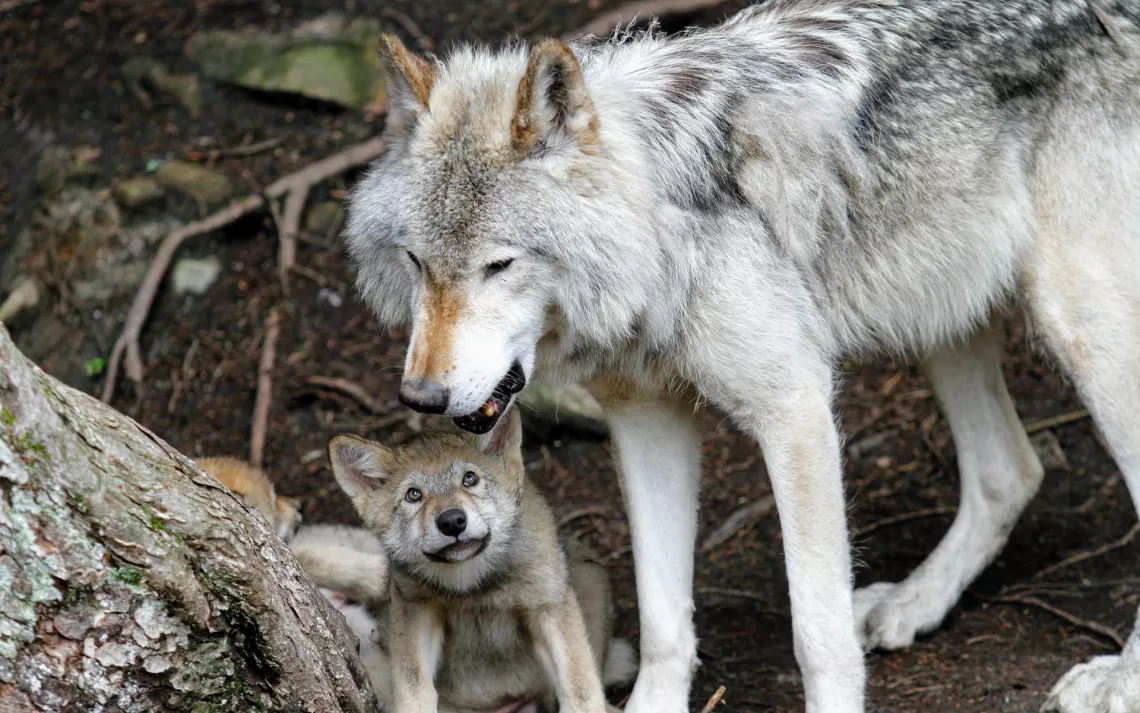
x,y
904,517
356,391
737,521
240,151
264,389
1082,556
1105,631
714,700
1054,421
128,342
605,24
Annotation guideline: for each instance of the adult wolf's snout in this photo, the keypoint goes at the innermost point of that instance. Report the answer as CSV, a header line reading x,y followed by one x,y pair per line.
x,y
424,396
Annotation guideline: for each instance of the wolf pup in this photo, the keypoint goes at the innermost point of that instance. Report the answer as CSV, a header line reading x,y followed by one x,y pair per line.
x,y
720,217
255,488
487,610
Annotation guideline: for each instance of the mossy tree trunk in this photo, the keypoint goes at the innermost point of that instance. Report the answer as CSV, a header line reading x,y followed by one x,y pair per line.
x,y
132,581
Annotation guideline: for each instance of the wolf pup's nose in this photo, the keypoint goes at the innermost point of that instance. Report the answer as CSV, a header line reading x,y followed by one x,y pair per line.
x,y
423,396
451,522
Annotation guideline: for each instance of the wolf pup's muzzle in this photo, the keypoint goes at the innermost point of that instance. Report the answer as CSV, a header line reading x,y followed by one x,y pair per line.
x,y
487,415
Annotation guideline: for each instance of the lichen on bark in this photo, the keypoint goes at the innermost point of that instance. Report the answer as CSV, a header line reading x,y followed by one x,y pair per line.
x,y
132,581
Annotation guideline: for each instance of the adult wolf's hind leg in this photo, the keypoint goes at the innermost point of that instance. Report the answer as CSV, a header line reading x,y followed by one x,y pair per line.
x,y
999,474
1084,292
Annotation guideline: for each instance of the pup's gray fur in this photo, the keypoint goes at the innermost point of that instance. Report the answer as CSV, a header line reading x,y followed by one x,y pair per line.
x,y
512,621
725,214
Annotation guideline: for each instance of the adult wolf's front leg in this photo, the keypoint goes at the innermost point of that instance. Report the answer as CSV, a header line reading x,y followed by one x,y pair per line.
x,y
801,450
658,450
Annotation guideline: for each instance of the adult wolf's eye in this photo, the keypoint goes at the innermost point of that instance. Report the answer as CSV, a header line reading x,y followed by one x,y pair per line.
x,y
413,259
496,267
470,480
413,495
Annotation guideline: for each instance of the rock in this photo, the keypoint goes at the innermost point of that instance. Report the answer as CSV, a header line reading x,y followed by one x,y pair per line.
x,y
104,256
136,192
195,276
324,218
549,410
186,89
1049,451
198,182
25,295
58,165
331,59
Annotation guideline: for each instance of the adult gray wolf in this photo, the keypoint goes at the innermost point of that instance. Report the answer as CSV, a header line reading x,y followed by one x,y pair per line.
x,y
721,216
487,610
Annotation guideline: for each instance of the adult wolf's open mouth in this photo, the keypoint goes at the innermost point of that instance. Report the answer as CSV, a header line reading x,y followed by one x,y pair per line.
x,y
487,415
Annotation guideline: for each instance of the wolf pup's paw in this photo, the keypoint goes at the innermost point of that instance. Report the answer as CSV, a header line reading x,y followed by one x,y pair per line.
x,y
884,618
1106,684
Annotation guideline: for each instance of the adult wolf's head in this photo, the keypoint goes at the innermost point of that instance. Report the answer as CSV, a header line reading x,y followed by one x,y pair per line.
x,y
497,201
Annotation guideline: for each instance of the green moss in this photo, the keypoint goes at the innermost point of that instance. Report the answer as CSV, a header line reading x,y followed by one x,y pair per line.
x,y
80,502
157,523
7,417
128,575
26,445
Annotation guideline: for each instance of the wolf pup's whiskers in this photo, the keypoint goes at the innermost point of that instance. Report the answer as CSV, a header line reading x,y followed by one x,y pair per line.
x,y
487,609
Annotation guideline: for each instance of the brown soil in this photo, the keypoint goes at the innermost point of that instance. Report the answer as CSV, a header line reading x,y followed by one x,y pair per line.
x,y
62,77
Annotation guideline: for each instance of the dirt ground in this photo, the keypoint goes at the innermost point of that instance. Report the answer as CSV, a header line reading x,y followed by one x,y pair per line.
x,y
62,79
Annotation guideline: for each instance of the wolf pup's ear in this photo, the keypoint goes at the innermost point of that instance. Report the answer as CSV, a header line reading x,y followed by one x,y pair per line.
x,y
505,438
361,467
553,106
410,79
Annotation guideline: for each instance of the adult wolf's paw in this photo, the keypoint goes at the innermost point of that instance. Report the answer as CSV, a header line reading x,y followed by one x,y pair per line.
x,y
1106,684
885,616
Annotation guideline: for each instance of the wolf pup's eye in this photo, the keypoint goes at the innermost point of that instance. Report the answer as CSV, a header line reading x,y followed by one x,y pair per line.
x,y
413,495
470,480
413,259
496,267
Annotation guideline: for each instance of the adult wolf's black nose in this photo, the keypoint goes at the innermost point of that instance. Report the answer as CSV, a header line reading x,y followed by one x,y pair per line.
x,y
423,396
452,522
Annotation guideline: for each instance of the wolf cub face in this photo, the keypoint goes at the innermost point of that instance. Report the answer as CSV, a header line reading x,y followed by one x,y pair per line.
x,y
444,505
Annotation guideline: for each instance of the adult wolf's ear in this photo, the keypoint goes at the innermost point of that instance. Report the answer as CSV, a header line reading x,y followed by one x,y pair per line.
x,y
505,439
553,106
361,468
410,79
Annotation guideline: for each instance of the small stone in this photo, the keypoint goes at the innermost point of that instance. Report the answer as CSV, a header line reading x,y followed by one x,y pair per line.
x,y
330,297
196,181
324,218
143,72
135,192
58,165
195,276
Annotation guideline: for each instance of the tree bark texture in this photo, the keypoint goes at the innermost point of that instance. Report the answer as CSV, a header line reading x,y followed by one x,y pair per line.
x,y
132,581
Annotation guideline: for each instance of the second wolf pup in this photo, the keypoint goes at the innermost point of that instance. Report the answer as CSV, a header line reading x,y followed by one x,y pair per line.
x,y
479,583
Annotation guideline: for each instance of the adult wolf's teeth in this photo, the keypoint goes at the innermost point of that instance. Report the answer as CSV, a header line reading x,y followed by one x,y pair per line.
x,y
488,409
